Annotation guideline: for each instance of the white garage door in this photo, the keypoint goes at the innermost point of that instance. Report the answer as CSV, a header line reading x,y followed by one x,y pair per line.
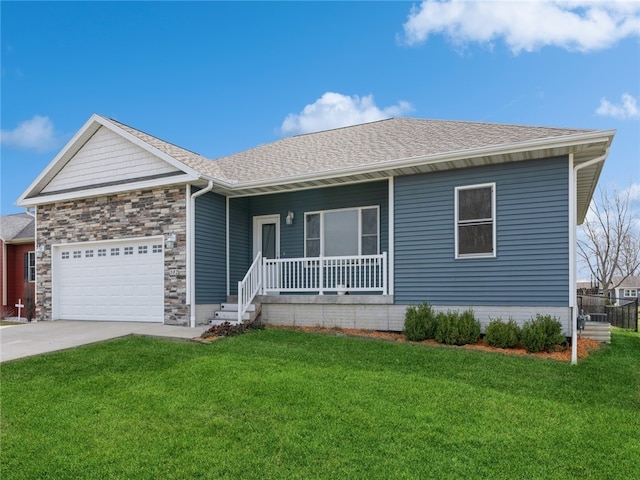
x,y
113,281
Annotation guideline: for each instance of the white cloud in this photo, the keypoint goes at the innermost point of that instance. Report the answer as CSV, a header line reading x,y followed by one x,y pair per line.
x,y
625,110
334,110
575,25
37,134
634,193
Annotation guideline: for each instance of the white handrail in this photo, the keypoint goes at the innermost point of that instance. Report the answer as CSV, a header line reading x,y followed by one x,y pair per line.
x,y
345,274
249,286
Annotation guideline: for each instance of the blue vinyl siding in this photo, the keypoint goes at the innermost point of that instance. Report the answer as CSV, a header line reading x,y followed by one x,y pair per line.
x,y
330,198
532,238
210,249
240,233
242,211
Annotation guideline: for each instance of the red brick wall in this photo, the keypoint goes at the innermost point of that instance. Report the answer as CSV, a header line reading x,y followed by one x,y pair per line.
x,y
15,272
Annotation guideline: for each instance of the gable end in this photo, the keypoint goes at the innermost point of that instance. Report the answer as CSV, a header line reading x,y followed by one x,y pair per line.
x,y
108,159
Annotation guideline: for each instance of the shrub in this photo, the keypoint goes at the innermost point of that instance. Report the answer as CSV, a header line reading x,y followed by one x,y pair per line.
x,y
419,322
542,333
455,329
501,334
228,329
447,331
469,329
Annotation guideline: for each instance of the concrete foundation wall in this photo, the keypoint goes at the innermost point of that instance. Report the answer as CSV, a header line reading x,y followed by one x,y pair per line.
x,y
379,314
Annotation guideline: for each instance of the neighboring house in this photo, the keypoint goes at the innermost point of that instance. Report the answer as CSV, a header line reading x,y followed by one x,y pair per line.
x,y
394,213
17,234
626,290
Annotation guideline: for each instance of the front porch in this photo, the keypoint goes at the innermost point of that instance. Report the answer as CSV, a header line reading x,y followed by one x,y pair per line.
x,y
349,280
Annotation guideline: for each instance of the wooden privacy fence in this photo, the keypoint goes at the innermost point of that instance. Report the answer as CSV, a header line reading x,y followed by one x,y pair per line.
x,y
624,315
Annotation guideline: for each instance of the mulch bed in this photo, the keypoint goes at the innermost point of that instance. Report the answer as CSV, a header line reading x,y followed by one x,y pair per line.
x,y
562,353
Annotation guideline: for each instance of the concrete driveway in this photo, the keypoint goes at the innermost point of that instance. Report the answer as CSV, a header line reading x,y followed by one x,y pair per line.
x,y
25,340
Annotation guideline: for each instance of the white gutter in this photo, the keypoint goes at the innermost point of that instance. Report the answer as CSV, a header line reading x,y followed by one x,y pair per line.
x,y
573,259
191,252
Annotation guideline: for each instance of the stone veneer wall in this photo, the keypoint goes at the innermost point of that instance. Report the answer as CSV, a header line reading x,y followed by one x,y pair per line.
x,y
141,213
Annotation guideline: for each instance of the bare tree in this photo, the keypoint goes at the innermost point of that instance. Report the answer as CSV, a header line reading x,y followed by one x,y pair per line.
x,y
611,244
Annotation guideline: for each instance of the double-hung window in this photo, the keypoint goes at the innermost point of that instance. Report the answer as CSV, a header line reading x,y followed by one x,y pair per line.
x,y
630,292
345,232
475,207
30,266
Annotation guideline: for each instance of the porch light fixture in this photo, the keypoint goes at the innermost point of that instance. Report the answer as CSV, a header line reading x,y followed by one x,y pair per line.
x,y
171,240
289,218
40,250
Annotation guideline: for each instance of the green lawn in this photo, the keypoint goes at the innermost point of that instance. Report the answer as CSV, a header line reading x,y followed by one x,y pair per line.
x,y
279,404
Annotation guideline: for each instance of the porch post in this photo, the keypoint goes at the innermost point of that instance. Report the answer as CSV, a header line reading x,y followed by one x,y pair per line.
x,y
384,273
321,273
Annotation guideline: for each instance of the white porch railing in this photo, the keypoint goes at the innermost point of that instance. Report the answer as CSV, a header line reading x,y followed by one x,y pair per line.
x,y
358,273
250,286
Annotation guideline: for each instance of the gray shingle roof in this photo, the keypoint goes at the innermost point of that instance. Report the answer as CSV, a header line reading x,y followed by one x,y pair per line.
x,y
20,226
189,158
629,282
380,142
374,143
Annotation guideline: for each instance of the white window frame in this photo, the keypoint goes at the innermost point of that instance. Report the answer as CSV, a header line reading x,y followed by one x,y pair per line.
x,y
31,268
493,220
360,234
630,292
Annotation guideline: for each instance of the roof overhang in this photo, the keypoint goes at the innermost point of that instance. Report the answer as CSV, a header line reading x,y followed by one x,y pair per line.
x,y
584,147
18,241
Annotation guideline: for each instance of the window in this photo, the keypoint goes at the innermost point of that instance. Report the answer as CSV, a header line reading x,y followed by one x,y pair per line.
x,y
475,207
115,252
30,266
128,250
102,252
630,292
345,232
77,254
88,253
157,249
65,255
142,249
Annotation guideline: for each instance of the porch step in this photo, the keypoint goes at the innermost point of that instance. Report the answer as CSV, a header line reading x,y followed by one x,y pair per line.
x,y
600,331
233,307
229,313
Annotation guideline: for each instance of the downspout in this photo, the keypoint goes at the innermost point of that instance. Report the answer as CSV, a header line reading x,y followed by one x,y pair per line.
x,y
392,239
573,260
191,240
228,265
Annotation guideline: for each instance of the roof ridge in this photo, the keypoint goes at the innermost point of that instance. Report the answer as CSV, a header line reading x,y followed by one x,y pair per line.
x,y
344,127
495,124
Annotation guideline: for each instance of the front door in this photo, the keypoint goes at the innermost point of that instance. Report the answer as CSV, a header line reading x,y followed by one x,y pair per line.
x,y
266,239
266,236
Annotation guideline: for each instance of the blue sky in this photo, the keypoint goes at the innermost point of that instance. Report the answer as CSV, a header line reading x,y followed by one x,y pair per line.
x,y
217,78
